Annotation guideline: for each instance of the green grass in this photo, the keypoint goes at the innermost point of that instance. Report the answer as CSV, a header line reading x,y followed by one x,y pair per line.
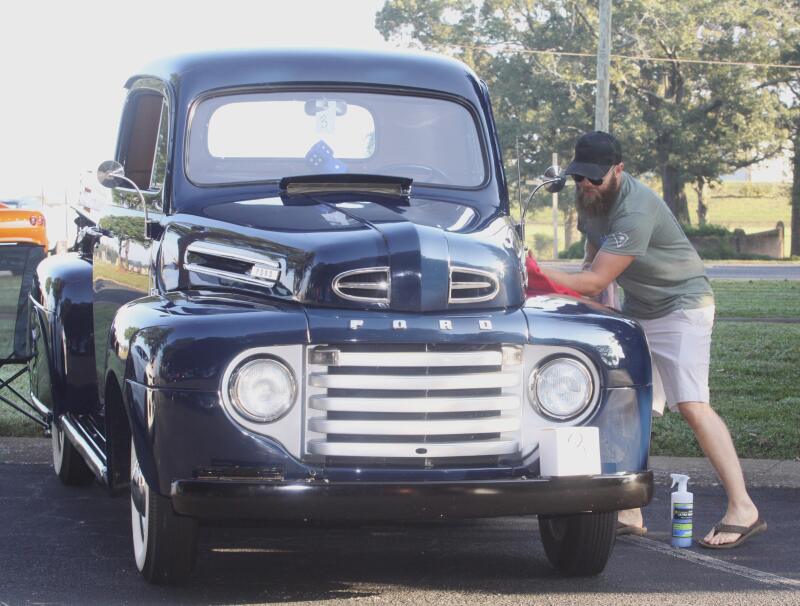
x,y
754,387
743,204
757,298
9,298
12,423
754,382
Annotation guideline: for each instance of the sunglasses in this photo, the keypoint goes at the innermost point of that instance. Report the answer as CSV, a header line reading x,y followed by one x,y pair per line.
x,y
579,178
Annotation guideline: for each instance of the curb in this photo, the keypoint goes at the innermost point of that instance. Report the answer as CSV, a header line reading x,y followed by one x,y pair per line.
x,y
757,472
772,473
771,320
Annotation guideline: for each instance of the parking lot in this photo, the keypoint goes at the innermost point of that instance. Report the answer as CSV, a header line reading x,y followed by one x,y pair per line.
x,y
72,546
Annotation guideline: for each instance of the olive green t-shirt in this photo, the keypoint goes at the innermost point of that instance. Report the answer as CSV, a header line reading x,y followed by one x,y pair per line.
x,y
666,273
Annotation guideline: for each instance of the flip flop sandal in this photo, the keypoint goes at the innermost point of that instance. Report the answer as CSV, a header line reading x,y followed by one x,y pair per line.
x,y
745,531
638,531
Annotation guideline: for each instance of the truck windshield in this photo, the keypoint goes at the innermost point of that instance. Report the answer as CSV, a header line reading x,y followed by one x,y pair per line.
x,y
252,137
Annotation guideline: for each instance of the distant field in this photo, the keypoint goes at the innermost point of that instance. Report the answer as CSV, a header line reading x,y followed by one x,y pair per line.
x,y
752,207
745,203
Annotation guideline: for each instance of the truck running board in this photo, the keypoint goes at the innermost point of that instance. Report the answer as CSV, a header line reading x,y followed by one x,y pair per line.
x,y
83,442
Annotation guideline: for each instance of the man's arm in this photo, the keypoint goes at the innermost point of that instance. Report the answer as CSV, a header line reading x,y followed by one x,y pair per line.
x,y
592,281
589,253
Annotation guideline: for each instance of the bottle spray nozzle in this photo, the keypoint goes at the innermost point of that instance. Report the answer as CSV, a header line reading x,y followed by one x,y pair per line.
x,y
681,480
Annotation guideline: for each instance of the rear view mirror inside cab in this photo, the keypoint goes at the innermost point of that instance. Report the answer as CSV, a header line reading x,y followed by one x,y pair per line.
x,y
314,106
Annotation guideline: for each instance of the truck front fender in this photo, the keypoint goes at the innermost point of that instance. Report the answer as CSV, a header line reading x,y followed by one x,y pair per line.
x,y
184,342
64,376
618,348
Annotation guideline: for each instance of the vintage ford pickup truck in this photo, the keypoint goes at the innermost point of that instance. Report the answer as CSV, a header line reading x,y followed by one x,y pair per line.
x,y
305,298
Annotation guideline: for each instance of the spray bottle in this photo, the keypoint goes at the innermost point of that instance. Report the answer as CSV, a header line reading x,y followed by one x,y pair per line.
x,y
681,506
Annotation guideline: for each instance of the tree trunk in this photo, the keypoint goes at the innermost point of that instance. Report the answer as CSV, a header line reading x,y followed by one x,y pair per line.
x,y
702,209
569,226
795,245
674,195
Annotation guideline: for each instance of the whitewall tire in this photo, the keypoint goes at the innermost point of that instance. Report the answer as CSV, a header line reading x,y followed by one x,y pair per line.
x,y
164,543
69,466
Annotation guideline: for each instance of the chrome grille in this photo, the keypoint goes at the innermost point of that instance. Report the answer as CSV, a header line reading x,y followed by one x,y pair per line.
x,y
472,285
423,404
371,285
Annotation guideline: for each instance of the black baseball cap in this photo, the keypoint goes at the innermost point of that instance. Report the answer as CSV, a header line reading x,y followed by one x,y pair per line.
x,y
595,153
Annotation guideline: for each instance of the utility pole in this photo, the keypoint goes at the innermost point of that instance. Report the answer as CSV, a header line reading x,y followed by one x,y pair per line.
x,y
555,214
519,180
66,219
603,64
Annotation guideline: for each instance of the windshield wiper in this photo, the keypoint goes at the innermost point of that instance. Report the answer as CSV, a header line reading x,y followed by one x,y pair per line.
x,y
399,187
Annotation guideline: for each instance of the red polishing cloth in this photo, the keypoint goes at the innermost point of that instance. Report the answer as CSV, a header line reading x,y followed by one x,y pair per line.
x,y
539,284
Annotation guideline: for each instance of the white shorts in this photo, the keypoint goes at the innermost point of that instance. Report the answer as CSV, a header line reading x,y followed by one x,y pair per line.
x,y
680,345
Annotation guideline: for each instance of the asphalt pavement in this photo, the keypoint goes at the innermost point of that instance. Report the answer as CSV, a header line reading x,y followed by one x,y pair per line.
x,y
72,546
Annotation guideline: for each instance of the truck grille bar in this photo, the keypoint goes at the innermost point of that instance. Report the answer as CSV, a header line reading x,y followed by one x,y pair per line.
x,y
422,404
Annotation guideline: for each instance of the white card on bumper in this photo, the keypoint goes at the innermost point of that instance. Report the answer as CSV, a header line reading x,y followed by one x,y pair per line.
x,y
569,451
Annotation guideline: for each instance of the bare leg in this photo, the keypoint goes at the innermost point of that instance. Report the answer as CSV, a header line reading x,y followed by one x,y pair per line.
x,y
631,517
714,438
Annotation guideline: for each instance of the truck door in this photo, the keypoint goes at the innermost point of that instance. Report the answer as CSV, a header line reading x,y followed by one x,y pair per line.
x,y
121,255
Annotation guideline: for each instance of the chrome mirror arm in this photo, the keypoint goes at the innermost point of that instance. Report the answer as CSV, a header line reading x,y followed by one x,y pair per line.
x,y
109,172
544,182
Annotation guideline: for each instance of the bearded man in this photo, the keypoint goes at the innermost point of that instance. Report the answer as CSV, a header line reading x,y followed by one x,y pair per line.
x,y
632,237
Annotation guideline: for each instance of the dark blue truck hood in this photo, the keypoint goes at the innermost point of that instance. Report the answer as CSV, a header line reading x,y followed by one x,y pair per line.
x,y
429,250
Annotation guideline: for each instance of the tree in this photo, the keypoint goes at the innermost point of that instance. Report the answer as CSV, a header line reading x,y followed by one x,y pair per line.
x,y
705,120
791,93
542,101
684,121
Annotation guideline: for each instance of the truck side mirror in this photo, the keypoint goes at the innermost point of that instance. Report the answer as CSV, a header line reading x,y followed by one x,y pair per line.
x,y
111,173
558,180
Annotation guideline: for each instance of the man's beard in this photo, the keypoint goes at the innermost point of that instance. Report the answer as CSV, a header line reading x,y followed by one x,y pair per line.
x,y
597,205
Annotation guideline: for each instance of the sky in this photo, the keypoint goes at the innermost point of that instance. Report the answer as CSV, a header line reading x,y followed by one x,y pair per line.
x,y
64,64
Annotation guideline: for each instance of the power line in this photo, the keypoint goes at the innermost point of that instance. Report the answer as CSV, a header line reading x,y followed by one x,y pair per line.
x,y
615,57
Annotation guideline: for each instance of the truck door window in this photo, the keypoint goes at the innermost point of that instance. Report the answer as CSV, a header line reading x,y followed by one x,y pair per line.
x,y
144,128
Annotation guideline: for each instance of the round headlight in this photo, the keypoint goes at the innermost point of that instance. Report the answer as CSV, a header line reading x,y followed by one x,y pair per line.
x,y
262,390
562,388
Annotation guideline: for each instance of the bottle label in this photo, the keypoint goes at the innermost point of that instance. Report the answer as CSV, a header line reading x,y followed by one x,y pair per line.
x,y
682,520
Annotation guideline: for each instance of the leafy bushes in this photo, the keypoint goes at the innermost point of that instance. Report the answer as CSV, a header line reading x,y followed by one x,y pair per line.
x,y
575,251
543,246
706,230
714,242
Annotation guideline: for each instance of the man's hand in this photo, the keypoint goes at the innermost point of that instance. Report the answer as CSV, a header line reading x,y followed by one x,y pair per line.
x,y
591,282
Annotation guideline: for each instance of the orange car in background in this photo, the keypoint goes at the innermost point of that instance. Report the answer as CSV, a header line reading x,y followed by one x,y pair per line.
x,y
22,220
